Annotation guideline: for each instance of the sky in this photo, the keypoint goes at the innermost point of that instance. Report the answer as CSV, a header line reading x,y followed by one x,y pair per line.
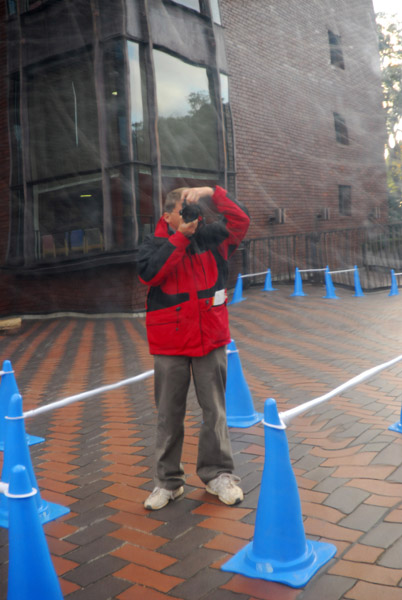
x,y
388,6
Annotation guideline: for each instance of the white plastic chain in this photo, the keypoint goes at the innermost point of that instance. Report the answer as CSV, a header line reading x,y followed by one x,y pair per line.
x,y
281,426
4,490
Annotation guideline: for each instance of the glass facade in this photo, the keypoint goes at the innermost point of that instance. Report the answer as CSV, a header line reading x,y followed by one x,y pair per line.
x,y
63,118
102,131
187,123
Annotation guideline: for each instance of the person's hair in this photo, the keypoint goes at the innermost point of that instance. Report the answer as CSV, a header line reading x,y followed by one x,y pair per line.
x,y
172,199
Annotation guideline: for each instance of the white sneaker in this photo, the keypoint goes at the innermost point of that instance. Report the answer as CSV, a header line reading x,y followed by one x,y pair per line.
x,y
160,497
224,486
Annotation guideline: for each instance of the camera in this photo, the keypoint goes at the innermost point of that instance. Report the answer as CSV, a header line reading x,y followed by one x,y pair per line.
x,y
190,212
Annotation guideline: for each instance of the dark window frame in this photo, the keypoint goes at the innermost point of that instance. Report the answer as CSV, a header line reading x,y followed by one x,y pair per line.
x,y
341,130
335,50
345,200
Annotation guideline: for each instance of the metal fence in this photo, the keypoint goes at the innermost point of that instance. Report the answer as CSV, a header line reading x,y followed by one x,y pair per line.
x,y
375,249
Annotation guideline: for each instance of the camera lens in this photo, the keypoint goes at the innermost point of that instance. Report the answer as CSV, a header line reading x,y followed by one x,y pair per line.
x,y
190,212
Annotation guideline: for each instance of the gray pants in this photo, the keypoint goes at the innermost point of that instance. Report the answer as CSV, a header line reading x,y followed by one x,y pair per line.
x,y
172,380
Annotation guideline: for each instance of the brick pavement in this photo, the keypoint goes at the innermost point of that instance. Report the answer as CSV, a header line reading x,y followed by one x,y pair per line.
x,y
98,454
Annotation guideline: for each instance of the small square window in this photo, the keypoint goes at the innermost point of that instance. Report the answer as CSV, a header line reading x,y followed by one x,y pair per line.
x,y
335,50
194,4
341,131
345,200
12,7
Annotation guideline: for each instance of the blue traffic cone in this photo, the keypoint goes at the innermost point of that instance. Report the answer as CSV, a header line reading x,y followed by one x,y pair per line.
x,y
397,426
298,291
8,387
358,289
279,551
394,285
16,452
239,402
31,575
268,283
238,291
329,286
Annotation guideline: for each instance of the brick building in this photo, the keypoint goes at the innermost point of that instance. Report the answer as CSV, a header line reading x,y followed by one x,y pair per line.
x,y
107,106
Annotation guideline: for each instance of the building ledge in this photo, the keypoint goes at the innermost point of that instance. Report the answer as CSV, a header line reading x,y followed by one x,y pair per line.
x,y
79,263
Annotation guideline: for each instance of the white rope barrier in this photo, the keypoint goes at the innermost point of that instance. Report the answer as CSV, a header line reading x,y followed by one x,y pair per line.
x,y
311,270
303,271
397,273
84,395
343,271
288,415
254,274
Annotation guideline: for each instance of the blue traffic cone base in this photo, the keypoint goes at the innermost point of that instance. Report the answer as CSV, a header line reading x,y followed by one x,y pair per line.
x,y
244,421
396,427
31,441
50,512
293,573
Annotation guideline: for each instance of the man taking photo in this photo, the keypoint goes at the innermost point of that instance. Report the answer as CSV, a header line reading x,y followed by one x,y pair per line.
x,y
185,265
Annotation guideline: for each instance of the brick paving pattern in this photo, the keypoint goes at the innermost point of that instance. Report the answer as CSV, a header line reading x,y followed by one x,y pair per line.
x,y
98,455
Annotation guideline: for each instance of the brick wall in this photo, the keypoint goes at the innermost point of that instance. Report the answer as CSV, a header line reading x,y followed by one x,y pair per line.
x,y
112,288
284,92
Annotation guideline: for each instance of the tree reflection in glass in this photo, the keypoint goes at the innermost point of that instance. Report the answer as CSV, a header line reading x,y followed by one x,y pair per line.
x,y
139,121
187,121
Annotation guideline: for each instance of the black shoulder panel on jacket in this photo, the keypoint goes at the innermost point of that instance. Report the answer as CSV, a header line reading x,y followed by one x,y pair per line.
x,y
152,255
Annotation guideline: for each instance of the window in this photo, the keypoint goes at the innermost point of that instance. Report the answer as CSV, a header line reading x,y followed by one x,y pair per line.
x,y
63,119
68,215
216,15
128,141
12,7
15,125
187,121
194,4
345,200
117,131
92,186
335,50
139,120
65,182
126,103
228,134
341,131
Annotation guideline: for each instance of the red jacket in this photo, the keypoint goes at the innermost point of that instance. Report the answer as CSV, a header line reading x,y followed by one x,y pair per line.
x,y
186,303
